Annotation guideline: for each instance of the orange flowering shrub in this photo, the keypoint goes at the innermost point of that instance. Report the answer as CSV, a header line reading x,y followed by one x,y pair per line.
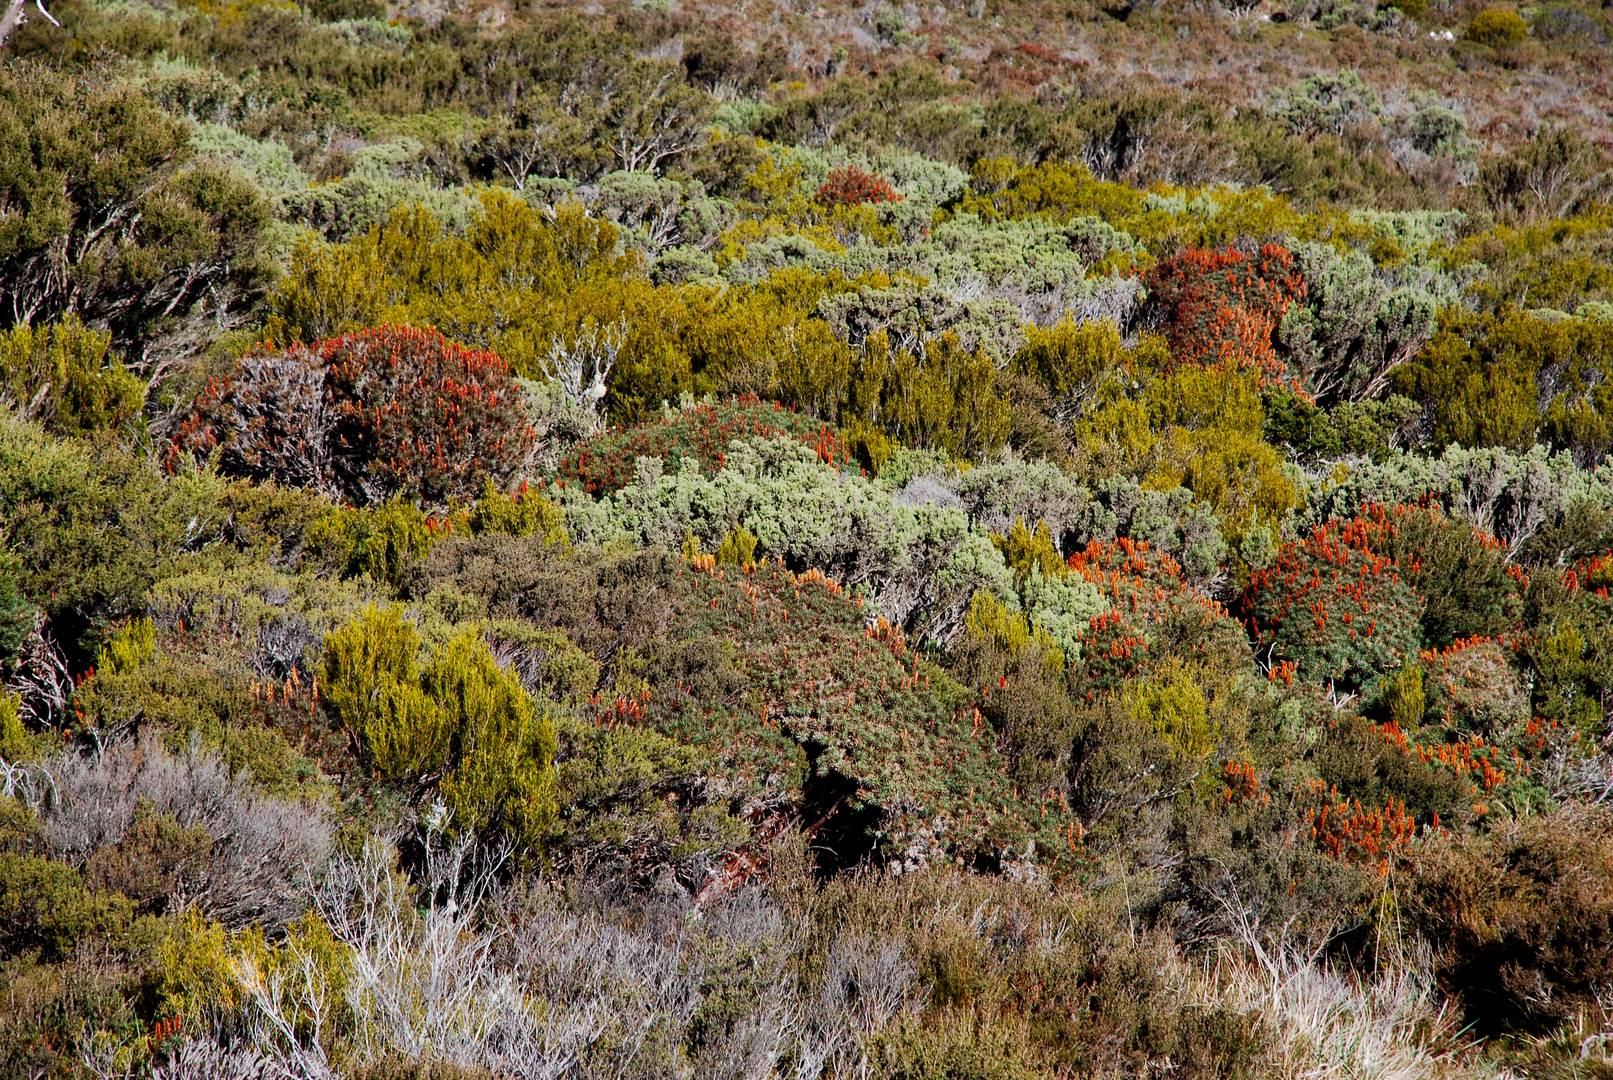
x,y
393,410
1474,686
1222,308
851,186
817,716
1153,613
1334,606
1345,829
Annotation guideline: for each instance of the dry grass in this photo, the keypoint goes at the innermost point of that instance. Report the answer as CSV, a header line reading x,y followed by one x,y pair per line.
x,y
1332,1023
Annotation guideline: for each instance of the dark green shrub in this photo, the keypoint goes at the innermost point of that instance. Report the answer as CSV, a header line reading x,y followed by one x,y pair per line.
x,y
1335,605
121,228
46,908
1521,918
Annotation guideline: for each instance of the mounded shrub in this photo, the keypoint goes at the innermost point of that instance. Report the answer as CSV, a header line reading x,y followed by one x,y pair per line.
x,y
364,417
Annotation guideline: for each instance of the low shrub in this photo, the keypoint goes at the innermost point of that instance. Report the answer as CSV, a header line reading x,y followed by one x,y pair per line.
x,y
365,417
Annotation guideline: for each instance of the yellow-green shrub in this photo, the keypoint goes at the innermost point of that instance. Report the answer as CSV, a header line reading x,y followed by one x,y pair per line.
x,y
463,724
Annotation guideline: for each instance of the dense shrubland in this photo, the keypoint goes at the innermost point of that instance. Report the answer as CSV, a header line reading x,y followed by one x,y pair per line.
x,y
1001,540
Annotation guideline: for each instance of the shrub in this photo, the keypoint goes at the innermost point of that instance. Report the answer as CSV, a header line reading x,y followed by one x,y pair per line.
x,y
919,564
410,269
85,526
1498,27
851,186
1223,308
64,376
501,772
182,827
381,542
122,229
1173,702
1474,688
779,680
461,725
701,434
1335,605
1351,330
1327,103
46,908
1522,917
523,512
1152,613
383,412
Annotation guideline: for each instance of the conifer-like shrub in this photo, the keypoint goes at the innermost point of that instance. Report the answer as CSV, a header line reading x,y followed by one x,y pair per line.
x,y
388,411
461,726
65,376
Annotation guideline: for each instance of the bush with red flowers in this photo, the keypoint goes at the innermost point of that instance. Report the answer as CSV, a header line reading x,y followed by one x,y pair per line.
x,y
1222,308
851,186
1335,606
389,411
1154,613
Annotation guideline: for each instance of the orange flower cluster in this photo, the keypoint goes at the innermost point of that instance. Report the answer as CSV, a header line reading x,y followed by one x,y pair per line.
x,y
1345,829
1462,645
1591,575
364,416
890,636
613,714
851,186
286,691
1471,757
819,578
1222,308
1243,783
163,1030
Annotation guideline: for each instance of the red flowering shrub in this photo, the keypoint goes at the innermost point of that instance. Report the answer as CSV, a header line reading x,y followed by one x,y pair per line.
x,y
851,186
604,463
1154,613
389,411
1334,605
1349,830
1222,308
1473,686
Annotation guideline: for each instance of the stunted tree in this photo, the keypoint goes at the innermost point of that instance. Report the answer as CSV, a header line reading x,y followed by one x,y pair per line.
x,y
105,215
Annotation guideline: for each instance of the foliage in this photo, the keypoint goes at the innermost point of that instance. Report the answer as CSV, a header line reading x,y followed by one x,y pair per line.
x,y
367,416
108,219
1522,906
1498,27
460,724
63,377
694,540
702,433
